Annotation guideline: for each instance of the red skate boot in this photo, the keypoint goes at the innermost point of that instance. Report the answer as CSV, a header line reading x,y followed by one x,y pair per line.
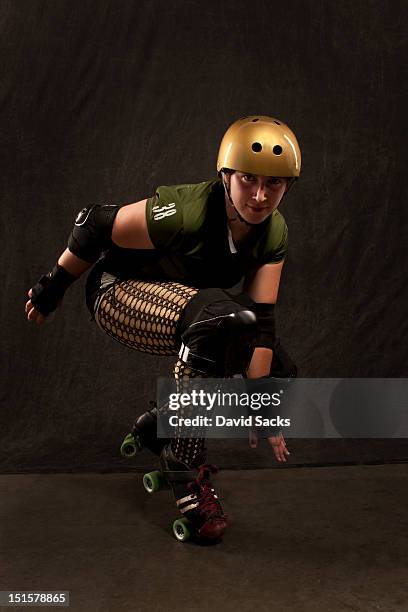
x,y
203,516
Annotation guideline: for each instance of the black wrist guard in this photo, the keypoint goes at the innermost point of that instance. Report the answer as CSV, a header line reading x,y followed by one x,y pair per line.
x,y
50,289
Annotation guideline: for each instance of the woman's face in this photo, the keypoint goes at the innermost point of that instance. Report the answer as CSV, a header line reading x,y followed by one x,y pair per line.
x,y
255,196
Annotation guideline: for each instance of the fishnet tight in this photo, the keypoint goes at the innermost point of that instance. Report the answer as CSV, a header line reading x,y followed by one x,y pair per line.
x,y
143,316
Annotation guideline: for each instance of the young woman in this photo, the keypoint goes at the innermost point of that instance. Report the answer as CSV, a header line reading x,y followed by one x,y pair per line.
x,y
161,272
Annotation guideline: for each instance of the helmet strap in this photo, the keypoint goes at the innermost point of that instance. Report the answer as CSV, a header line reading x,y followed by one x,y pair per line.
x,y
231,203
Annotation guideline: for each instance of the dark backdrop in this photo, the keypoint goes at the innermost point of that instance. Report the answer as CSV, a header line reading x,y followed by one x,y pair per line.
x,y
104,100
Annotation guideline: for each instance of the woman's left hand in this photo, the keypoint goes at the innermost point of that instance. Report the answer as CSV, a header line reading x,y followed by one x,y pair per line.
x,y
277,443
279,447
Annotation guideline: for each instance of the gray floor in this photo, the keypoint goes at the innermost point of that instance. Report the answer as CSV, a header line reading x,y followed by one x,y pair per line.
x,y
300,539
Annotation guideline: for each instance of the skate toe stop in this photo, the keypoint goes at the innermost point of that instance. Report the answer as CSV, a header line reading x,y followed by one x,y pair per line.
x,y
213,530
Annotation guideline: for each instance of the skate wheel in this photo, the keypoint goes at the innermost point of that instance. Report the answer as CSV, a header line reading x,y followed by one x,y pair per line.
x,y
182,530
130,446
153,481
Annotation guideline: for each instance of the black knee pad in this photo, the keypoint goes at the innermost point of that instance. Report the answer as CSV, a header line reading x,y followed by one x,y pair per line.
x,y
218,334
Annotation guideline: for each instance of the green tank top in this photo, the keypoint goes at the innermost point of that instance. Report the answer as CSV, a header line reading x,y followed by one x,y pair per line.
x,y
188,226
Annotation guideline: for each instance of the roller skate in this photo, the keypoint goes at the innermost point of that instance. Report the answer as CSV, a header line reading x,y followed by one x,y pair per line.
x,y
143,435
202,515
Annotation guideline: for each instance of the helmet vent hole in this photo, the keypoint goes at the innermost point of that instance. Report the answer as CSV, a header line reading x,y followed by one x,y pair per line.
x,y
256,147
277,149
277,122
253,120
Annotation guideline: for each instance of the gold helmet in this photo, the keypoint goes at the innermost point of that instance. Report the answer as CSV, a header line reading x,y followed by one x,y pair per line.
x,y
260,145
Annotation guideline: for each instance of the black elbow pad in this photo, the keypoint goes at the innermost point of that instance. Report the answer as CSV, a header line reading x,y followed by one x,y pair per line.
x,y
265,317
92,233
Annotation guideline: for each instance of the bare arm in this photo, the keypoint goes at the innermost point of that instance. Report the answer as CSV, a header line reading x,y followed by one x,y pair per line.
x,y
73,264
129,230
130,227
263,286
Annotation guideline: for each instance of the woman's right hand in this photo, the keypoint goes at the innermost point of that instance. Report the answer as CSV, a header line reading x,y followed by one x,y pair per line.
x,y
32,313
